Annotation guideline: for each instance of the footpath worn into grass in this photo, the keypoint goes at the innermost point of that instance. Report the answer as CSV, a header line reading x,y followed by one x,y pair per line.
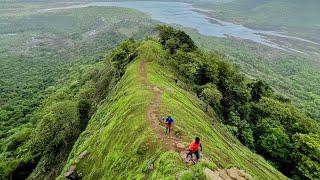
x,y
171,141
125,139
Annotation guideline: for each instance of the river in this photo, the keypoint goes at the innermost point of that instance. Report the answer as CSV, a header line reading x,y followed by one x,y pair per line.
x,y
185,15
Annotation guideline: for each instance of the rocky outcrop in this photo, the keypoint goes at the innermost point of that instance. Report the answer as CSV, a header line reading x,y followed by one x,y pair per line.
x,y
226,174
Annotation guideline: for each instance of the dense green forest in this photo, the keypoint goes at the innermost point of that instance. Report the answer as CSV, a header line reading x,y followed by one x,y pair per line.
x,y
37,58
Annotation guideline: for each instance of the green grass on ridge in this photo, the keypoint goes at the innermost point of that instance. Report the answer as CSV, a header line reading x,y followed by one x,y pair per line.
x,y
120,141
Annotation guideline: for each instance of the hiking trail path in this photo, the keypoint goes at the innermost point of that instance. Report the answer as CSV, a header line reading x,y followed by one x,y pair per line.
x,y
173,142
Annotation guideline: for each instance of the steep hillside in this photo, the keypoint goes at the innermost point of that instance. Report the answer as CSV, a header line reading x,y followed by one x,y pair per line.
x,y
125,136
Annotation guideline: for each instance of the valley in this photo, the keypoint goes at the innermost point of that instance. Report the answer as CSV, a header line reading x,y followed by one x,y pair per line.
x,y
303,55
79,82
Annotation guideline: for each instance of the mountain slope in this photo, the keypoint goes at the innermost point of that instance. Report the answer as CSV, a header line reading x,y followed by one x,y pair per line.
x,y
122,138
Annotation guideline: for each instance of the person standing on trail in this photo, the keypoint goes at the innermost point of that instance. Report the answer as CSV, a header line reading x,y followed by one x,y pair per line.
x,y
169,124
194,148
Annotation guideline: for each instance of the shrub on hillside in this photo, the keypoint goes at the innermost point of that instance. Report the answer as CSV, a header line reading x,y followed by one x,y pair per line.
x,y
173,39
59,127
124,54
306,155
211,95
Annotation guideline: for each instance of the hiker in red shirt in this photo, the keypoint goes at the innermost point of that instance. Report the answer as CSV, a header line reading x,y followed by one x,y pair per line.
x,y
194,148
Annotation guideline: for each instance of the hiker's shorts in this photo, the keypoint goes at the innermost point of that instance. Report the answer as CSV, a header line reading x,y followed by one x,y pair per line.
x,y
168,125
197,153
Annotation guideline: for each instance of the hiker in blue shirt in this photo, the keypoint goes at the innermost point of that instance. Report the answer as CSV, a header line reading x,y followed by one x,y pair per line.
x,y
169,123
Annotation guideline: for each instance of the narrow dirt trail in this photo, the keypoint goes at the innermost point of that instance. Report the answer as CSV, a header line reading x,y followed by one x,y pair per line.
x,y
154,113
173,142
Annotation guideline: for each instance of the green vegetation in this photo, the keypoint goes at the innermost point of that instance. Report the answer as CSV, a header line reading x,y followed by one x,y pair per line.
x,y
262,120
120,141
38,54
114,109
173,40
63,103
42,58
60,120
293,76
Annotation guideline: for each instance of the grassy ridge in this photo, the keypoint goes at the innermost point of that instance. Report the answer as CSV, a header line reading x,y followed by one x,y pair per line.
x,y
120,141
118,138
